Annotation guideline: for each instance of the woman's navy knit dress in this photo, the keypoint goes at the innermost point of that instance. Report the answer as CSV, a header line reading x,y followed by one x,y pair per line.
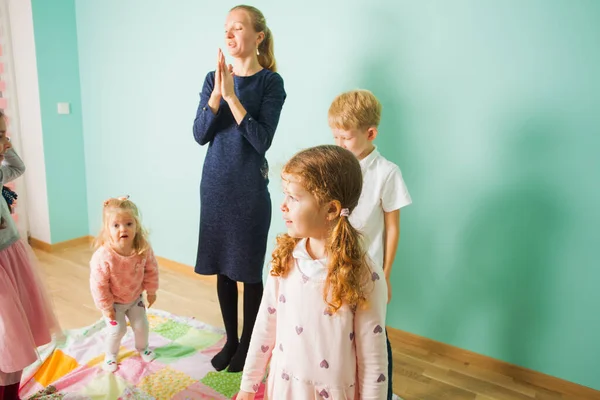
x,y
235,204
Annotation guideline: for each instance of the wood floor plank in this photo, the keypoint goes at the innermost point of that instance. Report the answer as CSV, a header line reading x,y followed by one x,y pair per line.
x,y
419,373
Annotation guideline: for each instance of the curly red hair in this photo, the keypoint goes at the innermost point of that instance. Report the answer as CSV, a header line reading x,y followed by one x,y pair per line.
x,y
331,174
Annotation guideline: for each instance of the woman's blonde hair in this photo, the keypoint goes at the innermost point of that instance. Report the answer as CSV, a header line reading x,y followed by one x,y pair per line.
x,y
266,51
122,205
331,173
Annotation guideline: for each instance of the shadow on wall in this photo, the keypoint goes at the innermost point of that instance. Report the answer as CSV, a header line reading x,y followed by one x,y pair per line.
x,y
502,277
498,284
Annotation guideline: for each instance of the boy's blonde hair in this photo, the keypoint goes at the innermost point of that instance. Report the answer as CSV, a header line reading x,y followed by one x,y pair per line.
x,y
356,109
116,205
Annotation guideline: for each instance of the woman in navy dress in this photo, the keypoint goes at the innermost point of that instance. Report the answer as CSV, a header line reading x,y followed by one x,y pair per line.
x,y
237,117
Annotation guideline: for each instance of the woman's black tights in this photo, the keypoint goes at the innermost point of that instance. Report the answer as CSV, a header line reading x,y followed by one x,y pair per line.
x,y
235,351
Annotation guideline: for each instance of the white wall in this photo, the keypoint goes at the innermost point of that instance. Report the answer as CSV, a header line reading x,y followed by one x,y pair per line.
x,y
28,100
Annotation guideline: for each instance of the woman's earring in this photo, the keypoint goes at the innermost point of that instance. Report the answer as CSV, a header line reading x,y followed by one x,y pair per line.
x,y
257,53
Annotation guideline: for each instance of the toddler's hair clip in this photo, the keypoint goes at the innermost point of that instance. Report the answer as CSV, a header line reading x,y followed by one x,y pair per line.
x,y
345,212
122,198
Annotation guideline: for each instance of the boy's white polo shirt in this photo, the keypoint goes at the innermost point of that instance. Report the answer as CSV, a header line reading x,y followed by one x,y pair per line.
x,y
383,190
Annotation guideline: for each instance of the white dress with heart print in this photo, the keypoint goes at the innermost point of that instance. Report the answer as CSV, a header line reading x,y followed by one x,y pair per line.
x,y
313,354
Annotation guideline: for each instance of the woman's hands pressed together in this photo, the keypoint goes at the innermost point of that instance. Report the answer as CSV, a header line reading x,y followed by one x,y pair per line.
x,y
223,87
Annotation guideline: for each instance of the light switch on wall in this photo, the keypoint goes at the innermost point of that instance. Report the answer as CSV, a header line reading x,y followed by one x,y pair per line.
x,y
64,108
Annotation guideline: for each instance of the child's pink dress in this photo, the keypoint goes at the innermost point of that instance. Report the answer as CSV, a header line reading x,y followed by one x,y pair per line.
x,y
26,317
313,354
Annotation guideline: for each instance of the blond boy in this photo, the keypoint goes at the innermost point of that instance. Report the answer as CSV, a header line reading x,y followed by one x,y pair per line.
x,y
354,120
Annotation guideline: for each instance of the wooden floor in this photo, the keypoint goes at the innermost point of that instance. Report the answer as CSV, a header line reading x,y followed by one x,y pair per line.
x,y
418,374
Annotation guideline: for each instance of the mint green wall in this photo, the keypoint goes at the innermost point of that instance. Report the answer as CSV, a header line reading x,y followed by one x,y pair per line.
x,y
488,109
58,75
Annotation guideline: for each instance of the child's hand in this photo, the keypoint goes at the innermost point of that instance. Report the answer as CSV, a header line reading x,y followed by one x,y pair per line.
x,y
110,314
151,299
389,285
245,396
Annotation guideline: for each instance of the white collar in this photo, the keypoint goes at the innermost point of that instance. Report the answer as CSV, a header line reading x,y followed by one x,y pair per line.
x,y
368,160
301,253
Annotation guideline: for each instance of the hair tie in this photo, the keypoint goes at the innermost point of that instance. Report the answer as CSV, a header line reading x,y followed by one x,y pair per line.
x,y
122,198
345,212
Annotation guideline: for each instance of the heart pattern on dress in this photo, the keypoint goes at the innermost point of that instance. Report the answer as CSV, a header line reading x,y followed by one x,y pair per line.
x,y
375,276
351,336
324,364
282,298
323,393
299,330
264,349
381,378
378,329
271,310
